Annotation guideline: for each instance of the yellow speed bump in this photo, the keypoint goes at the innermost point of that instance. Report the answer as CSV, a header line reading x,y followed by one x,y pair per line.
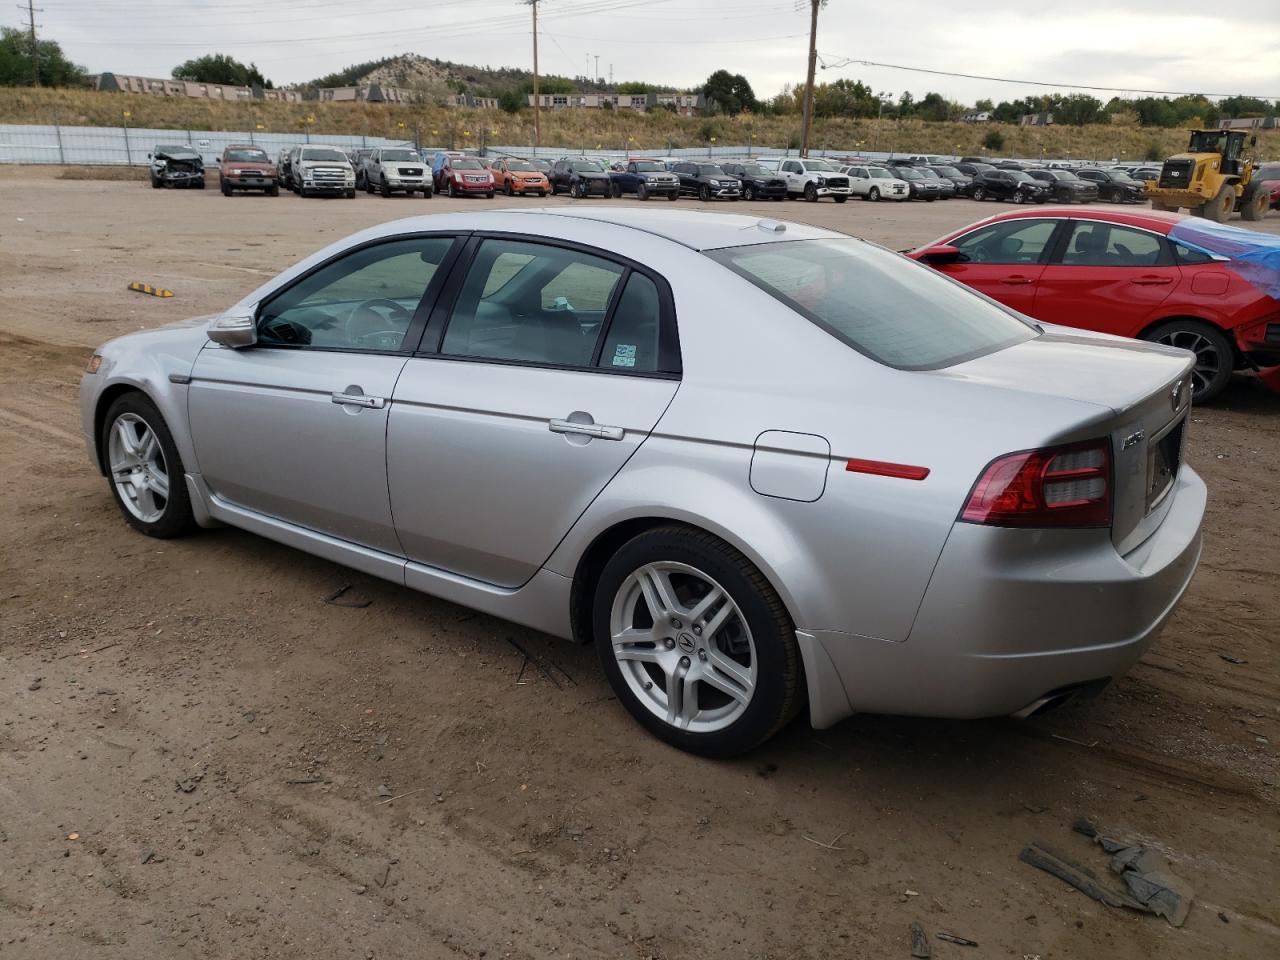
x,y
148,289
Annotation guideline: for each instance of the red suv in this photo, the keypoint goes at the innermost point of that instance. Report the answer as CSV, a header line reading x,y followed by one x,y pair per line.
x,y
245,166
461,176
1133,274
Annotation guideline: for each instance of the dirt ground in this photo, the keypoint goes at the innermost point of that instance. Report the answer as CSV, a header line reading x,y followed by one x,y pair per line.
x,y
194,743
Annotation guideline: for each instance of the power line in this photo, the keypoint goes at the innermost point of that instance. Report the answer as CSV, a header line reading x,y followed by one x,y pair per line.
x,y
847,61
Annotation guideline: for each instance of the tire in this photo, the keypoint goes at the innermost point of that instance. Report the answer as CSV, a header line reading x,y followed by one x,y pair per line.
x,y
350,194
450,190
704,193
616,190
1220,208
748,192
226,190
489,195
156,183
754,646
1256,201
673,195
839,199
273,190
426,194
200,184
144,508
302,192
508,190
979,194
642,192
811,193
383,190
874,194
1215,357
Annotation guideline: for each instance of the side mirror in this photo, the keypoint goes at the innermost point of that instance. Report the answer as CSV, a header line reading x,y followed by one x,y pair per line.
x,y
234,331
942,253
149,156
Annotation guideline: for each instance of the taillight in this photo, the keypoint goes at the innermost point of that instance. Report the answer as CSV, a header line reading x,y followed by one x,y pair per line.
x,y
1067,486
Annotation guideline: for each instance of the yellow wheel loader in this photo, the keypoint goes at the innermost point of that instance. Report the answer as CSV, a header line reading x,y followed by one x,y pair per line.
x,y
1212,178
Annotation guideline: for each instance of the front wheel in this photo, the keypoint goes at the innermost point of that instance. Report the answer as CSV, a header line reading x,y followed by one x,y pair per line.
x,y
839,199
642,192
704,193
696,643
874,194
383,190
145,470
1215,359
748,192
979,193
811,193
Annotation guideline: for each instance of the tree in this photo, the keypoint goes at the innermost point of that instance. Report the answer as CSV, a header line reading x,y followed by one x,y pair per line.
x,y
906,104
994,140
934,106
986,105
1078,109
731,92
511,100
220,68
15,62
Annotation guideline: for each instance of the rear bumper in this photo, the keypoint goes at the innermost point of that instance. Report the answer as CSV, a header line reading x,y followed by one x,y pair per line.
x,y
1013,616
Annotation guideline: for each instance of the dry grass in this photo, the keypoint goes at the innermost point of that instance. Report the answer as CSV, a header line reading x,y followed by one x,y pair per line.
x,y
102,173
572,129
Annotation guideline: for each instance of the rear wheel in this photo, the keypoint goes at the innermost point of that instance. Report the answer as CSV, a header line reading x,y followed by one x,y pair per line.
x,y
145,470
1215,359
1256,201
696,643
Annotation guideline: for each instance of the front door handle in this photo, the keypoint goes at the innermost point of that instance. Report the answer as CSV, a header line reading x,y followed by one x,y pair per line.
x,y
1016,280
358,400
596,431
1151,281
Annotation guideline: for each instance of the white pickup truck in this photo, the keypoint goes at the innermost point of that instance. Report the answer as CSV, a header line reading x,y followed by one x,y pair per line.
x,y
814,179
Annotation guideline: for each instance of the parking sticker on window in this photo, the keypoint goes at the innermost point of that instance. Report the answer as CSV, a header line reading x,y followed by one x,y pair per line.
x,y
625,355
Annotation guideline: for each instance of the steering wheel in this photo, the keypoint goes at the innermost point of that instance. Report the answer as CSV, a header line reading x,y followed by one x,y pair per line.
x,y
365,326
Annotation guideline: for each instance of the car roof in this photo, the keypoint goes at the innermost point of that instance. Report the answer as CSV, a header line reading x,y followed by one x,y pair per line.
x,y
689,228
1155,220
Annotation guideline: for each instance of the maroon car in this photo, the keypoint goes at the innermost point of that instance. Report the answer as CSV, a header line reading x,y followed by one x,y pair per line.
x,y
245,166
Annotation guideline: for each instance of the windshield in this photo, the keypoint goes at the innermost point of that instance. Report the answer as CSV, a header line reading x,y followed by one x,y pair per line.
x,y
1269,171
822,165
906,173
543,165
869,298
1207,142
1021,176
520,166
880,173
399,155
1120,175
247,156
947,172
648,166
466,163
710,170
585,166
322,153
754,170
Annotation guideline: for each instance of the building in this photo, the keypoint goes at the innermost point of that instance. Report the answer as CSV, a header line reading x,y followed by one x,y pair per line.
x,y
977,116
1036,120
169,87
683,103
1252,123
369,92
474,103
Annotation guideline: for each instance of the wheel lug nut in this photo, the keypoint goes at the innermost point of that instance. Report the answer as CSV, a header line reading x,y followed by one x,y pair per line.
x,y
697,631
648,684
670,643
675,622
702,655
684,661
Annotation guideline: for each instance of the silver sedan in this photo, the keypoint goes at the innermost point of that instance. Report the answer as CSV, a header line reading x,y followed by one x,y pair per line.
x,y
762,467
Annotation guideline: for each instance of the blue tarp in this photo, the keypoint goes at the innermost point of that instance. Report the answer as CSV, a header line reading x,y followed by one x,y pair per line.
x,y
1255,256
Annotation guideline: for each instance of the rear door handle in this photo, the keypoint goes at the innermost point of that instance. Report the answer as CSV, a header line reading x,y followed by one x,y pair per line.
x,y
596,431
1016,280
358,400
1151,281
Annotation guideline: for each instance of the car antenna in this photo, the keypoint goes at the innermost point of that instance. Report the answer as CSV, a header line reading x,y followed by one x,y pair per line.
x,y
771,226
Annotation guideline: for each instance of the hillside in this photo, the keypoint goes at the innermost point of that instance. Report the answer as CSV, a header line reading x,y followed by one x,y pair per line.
x,y
435,78
574,129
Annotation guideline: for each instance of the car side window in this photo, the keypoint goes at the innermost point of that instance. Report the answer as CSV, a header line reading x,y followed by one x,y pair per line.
x,y
791,167
1189,255
1097,244
548,308
1009,241
632,340
364,300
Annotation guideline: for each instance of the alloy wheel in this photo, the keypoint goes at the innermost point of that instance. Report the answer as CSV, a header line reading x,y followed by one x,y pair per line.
x,y
683,646
1208,365
138,467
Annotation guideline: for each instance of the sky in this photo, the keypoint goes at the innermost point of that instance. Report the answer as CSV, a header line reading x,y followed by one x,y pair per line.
x,y
1168,45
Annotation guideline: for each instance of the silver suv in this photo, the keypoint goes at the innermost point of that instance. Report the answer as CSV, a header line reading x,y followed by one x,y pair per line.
x,y
321,169
396,170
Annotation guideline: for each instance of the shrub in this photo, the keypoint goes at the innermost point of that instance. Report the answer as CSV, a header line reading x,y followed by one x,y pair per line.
x,y
994,140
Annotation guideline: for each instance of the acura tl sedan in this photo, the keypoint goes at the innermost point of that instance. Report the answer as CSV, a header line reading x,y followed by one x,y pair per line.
x,y
763,467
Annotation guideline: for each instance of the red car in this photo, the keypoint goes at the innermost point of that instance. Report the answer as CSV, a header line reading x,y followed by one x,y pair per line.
x,y
1269,174
463,177
1119,272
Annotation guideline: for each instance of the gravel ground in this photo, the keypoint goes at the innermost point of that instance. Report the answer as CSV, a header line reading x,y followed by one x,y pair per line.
x,y
196,751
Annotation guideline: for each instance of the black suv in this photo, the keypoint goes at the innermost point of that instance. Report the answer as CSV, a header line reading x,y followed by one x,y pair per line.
x,y
1015,185
962,181
1065,187
971,168
757,182
922,187
707,181
580,177
1114,185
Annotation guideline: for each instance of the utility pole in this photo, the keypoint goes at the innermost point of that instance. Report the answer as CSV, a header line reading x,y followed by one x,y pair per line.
x,y
597,75
807,122
35,49
537,128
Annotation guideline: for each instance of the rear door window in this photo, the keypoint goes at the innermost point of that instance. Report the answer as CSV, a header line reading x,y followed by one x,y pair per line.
x,y
1097,244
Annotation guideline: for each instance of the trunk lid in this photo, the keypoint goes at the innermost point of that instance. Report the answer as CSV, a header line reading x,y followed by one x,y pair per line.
x,y
1146,387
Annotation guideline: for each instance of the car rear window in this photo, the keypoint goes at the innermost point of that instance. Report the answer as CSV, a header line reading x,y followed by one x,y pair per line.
x,y
896,312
